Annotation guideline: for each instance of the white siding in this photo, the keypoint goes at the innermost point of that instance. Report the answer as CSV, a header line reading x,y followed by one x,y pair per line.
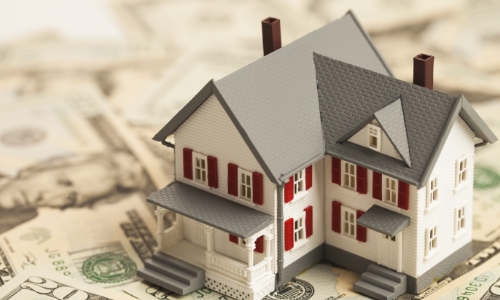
x,y
314,196
354,200
460,142
387,148
210,131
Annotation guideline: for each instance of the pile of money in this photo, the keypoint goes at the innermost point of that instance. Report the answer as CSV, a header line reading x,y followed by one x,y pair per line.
x,y
84,87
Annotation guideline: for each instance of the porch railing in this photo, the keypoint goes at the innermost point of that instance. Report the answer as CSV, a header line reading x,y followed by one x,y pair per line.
x,y
171,236
237,270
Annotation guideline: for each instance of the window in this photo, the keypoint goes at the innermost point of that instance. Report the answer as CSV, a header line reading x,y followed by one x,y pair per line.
x,y
349,175
299,182
390,190
245,184
374,139
200,167
460,220
431,240
461,171
432,191
388,237
299,228
349,221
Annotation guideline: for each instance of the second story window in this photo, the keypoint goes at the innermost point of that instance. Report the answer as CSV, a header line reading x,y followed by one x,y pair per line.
x,y
245,184
432,191
374,137
390,190
200,167
461,171
299,182
349,178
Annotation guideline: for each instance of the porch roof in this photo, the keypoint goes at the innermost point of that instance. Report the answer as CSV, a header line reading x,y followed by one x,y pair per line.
x,y
384,220
211,209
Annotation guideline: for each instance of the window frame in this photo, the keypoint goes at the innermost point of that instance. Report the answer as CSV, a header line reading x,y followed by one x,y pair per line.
x,y
352,226
459,229
378,135
300,181
301,230
432,191
198,155
429,252
459,173
243,172
346,174
385,188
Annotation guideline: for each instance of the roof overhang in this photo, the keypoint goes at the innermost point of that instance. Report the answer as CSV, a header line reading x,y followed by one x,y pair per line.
x,y
384,220
211,209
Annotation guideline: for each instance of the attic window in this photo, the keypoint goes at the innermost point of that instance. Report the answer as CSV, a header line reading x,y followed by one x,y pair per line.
x,y
374,140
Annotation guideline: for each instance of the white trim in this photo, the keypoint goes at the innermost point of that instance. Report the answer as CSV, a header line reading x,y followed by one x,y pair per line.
x,y
299,184
348,175
200,168
459,221
430,251
374,131
390,190
245,182
432,199
462,172
299,230
348,221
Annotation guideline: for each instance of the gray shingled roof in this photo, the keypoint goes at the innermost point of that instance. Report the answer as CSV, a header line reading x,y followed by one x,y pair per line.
x,y
211,209
349,95
391,119
383,220
273,101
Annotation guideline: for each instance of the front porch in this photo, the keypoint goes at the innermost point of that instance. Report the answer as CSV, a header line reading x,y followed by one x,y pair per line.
x,y
201,237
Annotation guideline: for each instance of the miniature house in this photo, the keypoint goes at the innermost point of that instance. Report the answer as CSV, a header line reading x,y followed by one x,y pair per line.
x,y
316,152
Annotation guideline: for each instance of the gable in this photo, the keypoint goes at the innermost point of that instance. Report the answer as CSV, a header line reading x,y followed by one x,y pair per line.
x,y
386,147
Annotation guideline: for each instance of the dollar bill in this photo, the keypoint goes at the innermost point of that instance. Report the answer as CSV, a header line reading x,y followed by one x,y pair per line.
x,y
38,284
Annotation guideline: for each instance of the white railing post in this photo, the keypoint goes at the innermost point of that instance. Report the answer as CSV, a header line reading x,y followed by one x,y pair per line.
x,y
250,245
209,231
160,212
268,238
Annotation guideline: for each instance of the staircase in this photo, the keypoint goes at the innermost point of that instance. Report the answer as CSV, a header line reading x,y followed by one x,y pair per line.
x,y
381,283
173,274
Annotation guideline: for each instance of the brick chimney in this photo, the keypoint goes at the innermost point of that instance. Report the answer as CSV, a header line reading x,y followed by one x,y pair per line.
x,y
423,70
271,35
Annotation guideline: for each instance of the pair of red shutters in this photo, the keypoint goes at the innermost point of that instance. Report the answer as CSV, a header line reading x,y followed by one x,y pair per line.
x,y
232,176
259,242
362,183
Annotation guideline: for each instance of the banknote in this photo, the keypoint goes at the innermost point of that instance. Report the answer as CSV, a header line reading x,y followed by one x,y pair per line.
x,y
38,284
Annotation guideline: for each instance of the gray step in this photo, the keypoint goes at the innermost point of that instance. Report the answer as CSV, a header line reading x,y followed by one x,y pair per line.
x,y
373,291
389,274
178,264
380,281
166,282
171,272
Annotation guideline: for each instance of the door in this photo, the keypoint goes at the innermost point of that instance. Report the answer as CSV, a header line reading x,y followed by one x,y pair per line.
x,y
198,236
389,251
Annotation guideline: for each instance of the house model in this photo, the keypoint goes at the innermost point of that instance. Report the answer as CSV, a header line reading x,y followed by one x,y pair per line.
x,y
316,152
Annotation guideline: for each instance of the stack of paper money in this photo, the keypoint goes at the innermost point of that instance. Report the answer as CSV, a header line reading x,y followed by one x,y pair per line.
x,y
84,85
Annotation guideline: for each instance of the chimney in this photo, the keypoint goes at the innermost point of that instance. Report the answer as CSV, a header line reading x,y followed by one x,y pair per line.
x,y
271,35
423,70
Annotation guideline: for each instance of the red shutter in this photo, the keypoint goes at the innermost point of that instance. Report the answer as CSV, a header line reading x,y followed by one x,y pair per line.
x,y
309,177
361,186
309,221
187,160
257,188
288,234
336,216
289,190
360,230
336,171
259,244
377,186
213,180
403,195
232,179
233,238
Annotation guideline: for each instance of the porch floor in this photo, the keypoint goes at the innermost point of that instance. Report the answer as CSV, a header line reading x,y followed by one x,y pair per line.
x,y
188,252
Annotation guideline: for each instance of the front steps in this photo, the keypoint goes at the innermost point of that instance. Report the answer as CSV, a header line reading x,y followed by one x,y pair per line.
x,y
381,283
173,274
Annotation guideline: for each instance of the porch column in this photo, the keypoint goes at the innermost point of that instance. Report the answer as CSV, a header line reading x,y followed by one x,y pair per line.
x,y
250,245
160,212
267,238
209,231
